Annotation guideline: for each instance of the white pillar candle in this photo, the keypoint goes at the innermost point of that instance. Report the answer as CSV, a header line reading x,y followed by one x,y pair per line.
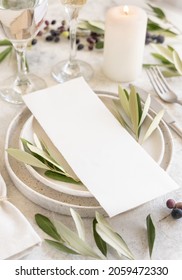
x,y
125,32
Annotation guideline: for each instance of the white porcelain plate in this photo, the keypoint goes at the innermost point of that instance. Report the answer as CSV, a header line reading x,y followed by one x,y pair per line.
x,y
154,146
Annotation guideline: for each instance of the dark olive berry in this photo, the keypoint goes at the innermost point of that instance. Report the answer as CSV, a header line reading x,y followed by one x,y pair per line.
x,y
90,40
80,47
170,203
148,41
176,213
160,39
49,38
56,39
148,35
55,32
77,41
90,47
34,41
61,28
46,22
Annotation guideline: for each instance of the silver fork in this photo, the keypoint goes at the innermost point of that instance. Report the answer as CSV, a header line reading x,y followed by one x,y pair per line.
x,y
161,86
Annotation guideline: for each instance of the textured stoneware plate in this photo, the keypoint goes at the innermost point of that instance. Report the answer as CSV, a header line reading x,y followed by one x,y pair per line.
x,y
154,146
47,197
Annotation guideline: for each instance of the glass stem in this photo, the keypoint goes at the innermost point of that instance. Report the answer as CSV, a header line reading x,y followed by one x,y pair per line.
x,y
73,17
21,62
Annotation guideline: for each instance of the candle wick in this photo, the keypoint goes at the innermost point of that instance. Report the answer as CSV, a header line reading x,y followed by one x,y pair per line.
x,y
126,10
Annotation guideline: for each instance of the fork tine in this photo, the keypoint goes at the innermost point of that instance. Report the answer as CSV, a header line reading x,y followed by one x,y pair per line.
x,y
158,80
154,80
163,81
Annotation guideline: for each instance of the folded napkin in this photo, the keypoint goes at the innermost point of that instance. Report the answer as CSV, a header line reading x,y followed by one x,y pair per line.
x,y
17,237
104,156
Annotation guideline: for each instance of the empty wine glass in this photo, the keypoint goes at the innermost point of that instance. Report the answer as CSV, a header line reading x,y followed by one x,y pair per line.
x,y
20,22
72,68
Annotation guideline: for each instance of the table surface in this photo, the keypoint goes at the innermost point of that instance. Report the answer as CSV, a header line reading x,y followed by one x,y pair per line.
x,y
131,225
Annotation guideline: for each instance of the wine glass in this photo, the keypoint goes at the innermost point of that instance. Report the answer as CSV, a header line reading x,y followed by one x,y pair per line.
x,y
72,68
20,22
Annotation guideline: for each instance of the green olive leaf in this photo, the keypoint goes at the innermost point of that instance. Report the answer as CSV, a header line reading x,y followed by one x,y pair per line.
x,y
177,62
101,244
4,53
134,112
154,124
61,247
44,155
55,175
5,42
47,226
158,11
75,242
150,233
114,240
124,100
164,51
26,158
145,110
161,58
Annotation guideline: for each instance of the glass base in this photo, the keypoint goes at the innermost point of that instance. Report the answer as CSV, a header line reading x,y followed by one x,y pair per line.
x,y
12,90
64,71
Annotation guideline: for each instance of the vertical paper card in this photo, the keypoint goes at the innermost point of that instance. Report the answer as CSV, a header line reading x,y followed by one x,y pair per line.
x,y
109,162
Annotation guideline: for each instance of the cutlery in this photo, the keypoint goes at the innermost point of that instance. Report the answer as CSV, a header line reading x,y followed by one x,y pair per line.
x,y
156,106
161,86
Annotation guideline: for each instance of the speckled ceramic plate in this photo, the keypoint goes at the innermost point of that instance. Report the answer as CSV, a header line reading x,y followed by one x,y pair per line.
x,y
49,198
31,127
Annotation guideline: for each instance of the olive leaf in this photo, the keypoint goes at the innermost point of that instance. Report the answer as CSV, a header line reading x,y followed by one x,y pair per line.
x,y
112,238
60,177
157,11
44,155
69,241
5,42
169,59
145,109
37,157
153,125
26,158
162,59
61,247
164,51
177,62
78,223
75,242
101,244
4,53
99,45
124,100
150,233
160,14
93,26
155,27
47,226
134,113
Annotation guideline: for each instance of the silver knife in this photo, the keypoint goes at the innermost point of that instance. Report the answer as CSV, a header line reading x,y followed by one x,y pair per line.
x,y
156,107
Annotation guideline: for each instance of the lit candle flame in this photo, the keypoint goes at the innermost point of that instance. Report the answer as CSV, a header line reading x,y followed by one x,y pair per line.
x,y
126,10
